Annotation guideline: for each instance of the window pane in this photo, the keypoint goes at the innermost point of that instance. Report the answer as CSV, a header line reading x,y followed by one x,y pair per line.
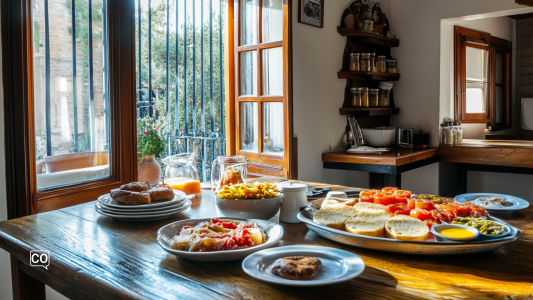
x,y
71,98
249,22
249,126
499,104
476,64
499,67
272,21
475,97
273,127
248,71
272,71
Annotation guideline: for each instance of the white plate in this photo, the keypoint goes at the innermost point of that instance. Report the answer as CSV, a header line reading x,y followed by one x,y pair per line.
x,y
162,210
337,265
518,203
146,217
108,201
273,232
147,209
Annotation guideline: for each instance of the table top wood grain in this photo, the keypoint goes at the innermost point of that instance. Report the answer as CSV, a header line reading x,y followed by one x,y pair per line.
x,y
97,257
395,157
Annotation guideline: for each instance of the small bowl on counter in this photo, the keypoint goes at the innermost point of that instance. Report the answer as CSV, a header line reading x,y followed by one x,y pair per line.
x,y
455,232
263,209
379,136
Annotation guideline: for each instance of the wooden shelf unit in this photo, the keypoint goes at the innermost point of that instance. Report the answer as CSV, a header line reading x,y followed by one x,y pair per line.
x,y
365,112
342,74
368,38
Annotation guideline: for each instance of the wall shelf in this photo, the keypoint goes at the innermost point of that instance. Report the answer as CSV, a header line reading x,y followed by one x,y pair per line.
x,y
368,38
365,112
368,76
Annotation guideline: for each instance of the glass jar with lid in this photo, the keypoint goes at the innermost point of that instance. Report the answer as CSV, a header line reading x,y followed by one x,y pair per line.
x,y
384,93
364,62
457,133
373,97
373,66
366,103
356,97
391,66
354,62
446,133
381,64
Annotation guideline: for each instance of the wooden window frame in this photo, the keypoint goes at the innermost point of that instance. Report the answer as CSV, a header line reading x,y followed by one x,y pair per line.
x,y
17,58
463,38
262,163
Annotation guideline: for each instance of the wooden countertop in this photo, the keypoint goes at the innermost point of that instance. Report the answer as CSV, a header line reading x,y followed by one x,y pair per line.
x,y
490,152
395,157
96,257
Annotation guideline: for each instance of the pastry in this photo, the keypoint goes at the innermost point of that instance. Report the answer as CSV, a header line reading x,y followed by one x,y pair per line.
x,y
135,187
160,192
297,267
129,197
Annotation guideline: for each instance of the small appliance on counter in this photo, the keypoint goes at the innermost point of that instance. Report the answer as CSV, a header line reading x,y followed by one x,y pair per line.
x,y
421,140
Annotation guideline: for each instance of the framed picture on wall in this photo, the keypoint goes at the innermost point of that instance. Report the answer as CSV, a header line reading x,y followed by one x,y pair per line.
x,y
311,12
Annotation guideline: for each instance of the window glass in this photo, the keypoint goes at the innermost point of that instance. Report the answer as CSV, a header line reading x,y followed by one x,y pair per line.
x,y
71,96
249,126
273,127
272,21
272,67
476,80
248,76
249,22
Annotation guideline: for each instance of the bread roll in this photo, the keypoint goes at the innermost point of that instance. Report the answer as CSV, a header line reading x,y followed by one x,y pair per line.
x,y
406,228
371,223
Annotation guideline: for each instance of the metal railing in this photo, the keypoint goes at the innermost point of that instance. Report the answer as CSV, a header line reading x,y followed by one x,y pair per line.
x,y
180,133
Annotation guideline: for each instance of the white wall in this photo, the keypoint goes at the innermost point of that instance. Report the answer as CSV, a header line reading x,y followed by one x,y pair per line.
x,y
5,264
318,94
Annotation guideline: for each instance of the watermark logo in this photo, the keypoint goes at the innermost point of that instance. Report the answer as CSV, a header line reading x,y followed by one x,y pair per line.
x,y
40,258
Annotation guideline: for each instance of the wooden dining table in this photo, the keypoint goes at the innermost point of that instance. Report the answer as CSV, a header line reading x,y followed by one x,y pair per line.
x,y
97,257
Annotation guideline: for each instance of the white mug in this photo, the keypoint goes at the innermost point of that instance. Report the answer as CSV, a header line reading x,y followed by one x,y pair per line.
x,y
294,198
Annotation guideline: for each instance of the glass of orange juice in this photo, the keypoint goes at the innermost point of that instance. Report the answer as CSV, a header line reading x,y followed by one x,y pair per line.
x,y
181,174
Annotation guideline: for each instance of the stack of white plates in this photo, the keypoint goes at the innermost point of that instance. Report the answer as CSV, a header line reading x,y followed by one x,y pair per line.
x,y
142,212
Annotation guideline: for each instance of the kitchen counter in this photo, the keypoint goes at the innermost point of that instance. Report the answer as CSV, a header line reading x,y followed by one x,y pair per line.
x,y
386,168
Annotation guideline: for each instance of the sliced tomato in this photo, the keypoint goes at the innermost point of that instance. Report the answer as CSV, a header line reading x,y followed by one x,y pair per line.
x,y
402,194
383,198
411,203
366,196
398,209
462,210
389,189
421,214
424,204
439,216
430,223
477,212
401,200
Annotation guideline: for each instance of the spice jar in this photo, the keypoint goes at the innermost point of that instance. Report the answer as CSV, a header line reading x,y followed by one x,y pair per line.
x,y
373,96
381,64
364,91
391,66
457,133
356,97
446,133
373,66
364,62
354,62
384,93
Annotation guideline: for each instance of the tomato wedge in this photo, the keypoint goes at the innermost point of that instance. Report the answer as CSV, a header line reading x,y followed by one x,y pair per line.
x,y
367,196
398,209
411,202
424,204
383,198
421,214
389,189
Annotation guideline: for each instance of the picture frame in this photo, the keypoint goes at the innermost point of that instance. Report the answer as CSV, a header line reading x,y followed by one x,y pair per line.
x,y
311,12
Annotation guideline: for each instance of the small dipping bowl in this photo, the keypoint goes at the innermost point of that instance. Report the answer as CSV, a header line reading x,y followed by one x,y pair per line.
x,y
263,209
492,236
437,229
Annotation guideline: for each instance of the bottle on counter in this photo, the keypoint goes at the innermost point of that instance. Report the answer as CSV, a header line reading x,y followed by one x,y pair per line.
x,y
354,62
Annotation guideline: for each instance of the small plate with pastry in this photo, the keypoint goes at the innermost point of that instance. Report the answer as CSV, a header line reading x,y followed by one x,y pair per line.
x,y
141,195
303,265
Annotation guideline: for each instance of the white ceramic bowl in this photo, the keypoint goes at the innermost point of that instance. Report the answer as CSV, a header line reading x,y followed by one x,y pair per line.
x,y
263,209
437,228
379,137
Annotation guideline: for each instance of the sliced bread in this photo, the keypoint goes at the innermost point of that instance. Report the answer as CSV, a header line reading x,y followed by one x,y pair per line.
x,y
334,217
406,228
335,202
367,206
371,223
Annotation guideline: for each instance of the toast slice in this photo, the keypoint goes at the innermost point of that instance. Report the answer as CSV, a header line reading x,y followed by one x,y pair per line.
x,y
334,217
406,228
338,202
371,223
367,206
